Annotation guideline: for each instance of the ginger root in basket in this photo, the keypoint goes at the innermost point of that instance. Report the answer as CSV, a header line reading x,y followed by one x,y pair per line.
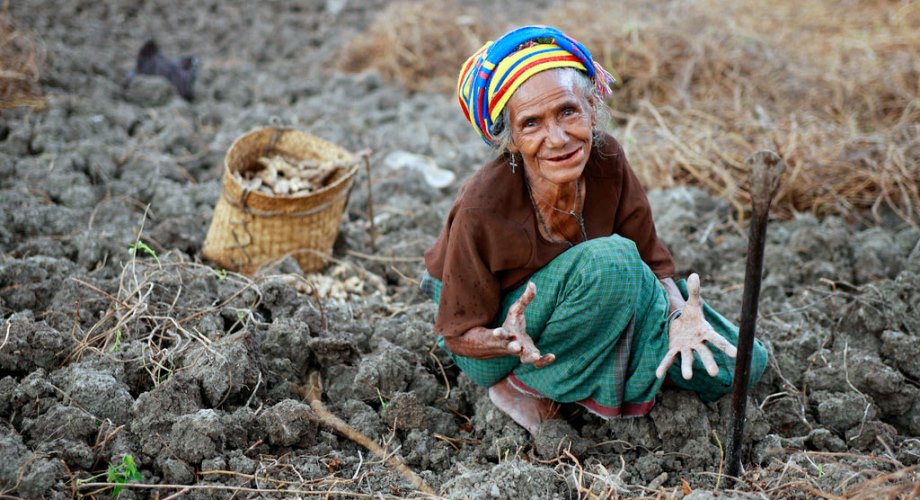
x,y
278,175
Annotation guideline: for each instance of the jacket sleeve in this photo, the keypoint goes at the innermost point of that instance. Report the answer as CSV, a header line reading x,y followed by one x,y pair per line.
x,y
476,252
634,220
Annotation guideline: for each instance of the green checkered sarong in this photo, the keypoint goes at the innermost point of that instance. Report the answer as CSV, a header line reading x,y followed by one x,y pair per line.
x,y
603,313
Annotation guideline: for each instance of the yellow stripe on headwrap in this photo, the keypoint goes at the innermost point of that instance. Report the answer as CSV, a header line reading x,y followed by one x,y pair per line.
x,y
517,68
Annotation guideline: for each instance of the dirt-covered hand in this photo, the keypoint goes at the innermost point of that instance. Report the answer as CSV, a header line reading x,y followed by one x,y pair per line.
x,y
689,333
514,332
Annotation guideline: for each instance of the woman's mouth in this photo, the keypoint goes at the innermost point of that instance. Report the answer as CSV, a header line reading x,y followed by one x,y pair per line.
x,y
563,157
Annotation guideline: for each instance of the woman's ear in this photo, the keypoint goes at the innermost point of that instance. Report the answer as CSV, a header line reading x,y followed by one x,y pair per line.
x,y
512,148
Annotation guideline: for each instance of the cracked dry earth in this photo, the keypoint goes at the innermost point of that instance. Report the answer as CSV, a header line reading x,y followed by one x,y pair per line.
x,y
199,375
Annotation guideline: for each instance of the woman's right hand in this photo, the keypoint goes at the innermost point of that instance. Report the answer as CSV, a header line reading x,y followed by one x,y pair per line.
x,y
509,339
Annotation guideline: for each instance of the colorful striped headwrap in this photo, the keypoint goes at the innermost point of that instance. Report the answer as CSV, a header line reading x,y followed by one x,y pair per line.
x,y
491,75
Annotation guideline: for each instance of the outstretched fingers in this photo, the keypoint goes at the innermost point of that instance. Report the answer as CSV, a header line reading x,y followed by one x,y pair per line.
x,y
709,361
722,344
515,318
501,333
693,290
666,363
686,363
545,360
527,297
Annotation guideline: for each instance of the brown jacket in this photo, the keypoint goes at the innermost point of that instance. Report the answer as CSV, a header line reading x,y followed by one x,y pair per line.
x,y
491,243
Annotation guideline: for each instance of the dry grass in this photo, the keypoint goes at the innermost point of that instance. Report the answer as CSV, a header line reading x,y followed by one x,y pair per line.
x,y
832,86
418,43
21,57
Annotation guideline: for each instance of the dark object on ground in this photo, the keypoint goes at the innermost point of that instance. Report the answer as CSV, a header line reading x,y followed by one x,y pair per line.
x,y
180,72
766,168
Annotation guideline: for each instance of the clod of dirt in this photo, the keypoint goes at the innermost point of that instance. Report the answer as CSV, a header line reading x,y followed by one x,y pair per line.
x,y
60,421
902,349
825,440
31,345
95,391
426,452
289,423
332,350
196,436
8,387
387,372
224,369
34,395
184,233
876,255
508,479
30,284
842,411
156,410
43,476
768,449
14,453
76,454
176,471
870,436
688,214
279,297
404,411
555,436
363,418
410,330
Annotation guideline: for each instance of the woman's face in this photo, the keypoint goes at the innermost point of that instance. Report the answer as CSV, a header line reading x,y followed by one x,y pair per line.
x,y
551,126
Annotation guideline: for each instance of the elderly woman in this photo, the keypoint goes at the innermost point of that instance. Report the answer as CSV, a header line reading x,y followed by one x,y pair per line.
x,y
552,285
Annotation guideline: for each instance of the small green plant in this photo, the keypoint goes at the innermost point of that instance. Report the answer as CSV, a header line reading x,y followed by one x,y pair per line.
x,y
820,470
124,473
143,247
721,458
221,274
117,344
383,403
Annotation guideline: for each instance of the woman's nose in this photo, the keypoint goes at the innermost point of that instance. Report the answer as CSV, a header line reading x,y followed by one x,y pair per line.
x,y
556,135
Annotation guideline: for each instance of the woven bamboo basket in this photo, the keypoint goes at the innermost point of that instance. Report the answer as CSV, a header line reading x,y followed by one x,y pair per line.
x,y
250,228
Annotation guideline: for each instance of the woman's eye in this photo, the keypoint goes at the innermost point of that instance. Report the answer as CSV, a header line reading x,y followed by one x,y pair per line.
x,y
529,123
569,111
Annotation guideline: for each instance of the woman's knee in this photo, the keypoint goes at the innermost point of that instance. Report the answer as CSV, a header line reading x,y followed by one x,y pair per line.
x,y
610,262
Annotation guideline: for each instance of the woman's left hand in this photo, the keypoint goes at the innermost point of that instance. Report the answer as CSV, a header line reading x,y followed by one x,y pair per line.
x,y
689,333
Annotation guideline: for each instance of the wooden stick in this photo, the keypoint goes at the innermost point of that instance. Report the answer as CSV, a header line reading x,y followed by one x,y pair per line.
x,y
370,200
313,394
766,167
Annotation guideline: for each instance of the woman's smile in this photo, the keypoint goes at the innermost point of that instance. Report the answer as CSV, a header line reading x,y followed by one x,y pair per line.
x,y
566,156
551,127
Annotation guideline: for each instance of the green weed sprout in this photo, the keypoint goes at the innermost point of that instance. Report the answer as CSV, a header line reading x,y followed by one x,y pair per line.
x,y
140,245
123,473
221,274
117,343
383,403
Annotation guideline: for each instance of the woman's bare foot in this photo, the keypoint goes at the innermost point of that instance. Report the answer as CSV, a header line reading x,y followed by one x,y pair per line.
x,y
526,410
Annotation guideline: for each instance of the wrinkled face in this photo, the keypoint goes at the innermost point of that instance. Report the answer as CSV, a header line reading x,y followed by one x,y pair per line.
x,y
551,126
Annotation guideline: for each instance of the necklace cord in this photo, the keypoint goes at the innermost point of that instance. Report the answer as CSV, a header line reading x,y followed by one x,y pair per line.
x,y
579,217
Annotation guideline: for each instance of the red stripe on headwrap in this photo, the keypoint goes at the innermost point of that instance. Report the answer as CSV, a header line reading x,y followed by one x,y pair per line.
x,y
498,95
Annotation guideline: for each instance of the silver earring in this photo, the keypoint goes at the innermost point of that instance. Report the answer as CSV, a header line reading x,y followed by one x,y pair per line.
x,y
513,163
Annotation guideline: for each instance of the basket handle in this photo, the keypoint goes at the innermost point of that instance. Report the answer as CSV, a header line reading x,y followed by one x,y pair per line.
x,y
278,129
